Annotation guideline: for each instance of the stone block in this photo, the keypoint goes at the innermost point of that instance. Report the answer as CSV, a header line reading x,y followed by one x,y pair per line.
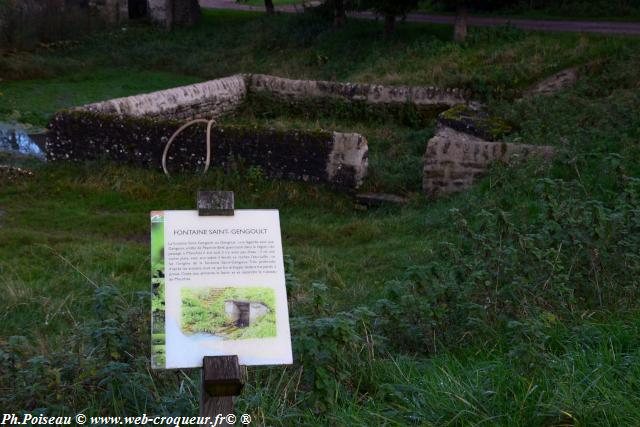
x,y
555,83
476,122
454,160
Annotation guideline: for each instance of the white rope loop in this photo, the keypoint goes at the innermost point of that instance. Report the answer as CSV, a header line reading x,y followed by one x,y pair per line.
x,y
207,161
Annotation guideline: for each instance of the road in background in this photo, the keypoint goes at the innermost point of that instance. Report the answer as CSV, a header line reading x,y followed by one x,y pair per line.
x,y
525,24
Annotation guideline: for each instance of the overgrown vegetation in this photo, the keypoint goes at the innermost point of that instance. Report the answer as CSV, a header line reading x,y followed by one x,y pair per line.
x,y
513,304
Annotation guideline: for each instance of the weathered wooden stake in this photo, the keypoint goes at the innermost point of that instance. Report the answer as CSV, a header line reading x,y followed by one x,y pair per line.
x,y
222,376
212,203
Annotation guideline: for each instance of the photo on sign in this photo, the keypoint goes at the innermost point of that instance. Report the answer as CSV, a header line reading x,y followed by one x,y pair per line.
x,y
228,313
158,341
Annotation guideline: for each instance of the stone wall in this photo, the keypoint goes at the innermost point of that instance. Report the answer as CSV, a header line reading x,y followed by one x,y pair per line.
x,y
217,97
166,13
135,128
160,11
369,93
313,156
454,161
202,100
112,11
348,160
174,13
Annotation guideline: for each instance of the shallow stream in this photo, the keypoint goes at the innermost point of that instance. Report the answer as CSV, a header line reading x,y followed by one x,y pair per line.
x,y
15,140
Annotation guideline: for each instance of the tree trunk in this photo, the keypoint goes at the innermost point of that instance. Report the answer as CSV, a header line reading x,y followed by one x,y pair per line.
x,y
389,24
268,5
340,16
461,25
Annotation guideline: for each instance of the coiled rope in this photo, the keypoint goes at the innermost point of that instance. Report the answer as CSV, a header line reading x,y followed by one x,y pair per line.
x,y
207,160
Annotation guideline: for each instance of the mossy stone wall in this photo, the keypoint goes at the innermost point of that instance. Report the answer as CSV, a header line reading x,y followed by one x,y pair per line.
x,y
315,156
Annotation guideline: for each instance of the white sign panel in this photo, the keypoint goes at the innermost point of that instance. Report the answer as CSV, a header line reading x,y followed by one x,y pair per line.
x,y
218,289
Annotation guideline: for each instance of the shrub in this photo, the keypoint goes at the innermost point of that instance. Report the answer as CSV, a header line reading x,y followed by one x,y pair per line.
x,y
574,252
104,364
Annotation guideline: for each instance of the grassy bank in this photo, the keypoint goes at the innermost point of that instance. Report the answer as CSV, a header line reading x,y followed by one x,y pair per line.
x,y
513,304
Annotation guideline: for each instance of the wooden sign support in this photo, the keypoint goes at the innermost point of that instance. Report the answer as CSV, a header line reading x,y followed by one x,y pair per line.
x,y
215,203
222,376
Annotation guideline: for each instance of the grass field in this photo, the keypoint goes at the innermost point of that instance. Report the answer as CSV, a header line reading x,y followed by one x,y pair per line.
x,y
514,304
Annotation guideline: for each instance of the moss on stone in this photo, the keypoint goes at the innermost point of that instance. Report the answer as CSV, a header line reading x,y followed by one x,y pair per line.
x,y
408,114
475,122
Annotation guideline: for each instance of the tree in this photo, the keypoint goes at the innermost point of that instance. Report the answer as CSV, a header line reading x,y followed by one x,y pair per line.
x,y
268,5
340,15
335,10
390,9
462,7
460,28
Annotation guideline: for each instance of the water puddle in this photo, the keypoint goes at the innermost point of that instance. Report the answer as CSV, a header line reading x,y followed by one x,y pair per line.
x,y
15,140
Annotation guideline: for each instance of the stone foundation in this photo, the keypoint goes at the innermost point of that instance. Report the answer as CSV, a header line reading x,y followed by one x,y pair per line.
x,y
368,93
454,161
166,13
112,11
338,159
216,97
208,100
174,13
135,128
555,83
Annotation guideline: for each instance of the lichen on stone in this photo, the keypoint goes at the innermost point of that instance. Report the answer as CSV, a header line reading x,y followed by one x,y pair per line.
x,y
477,122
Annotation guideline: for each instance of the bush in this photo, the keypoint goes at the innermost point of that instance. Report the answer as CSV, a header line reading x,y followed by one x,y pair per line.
x,y
568,253
104,364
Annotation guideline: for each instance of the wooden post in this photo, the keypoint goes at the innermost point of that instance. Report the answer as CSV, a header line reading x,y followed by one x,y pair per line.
x,y
222,376
211,203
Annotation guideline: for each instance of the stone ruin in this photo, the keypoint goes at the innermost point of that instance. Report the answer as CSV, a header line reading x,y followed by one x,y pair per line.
x,y
244,313
464,147
454,161
166,13
135,129
467,141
